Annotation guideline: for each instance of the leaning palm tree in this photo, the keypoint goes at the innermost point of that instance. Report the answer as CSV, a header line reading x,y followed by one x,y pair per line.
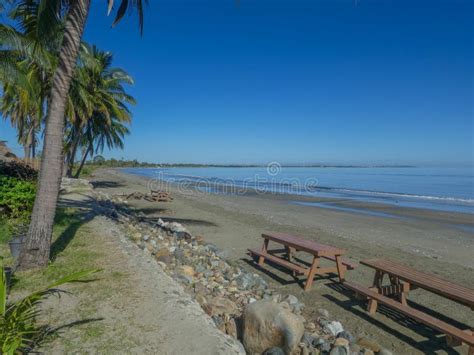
x,y
97,106
35,251
101,134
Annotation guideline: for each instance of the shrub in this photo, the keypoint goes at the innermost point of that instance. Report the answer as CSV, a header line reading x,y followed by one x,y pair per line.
x,y
16,202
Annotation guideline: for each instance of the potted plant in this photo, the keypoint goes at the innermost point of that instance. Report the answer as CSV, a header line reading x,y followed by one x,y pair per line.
x,y
18,232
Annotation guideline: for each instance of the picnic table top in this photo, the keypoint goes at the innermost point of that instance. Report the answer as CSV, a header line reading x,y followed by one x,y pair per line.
x,y
429,282
303,244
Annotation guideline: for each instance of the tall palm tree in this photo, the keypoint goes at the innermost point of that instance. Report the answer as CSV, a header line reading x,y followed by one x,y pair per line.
x,y
26,61
35,251
97,106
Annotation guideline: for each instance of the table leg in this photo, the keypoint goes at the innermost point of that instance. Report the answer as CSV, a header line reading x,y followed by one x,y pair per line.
x,y
378,278
404,293
312,272
400,289
261,259
341,269
289,254
372,306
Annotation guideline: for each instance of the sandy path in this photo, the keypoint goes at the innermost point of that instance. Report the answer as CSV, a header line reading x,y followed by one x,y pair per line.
x,y
425,240
136,308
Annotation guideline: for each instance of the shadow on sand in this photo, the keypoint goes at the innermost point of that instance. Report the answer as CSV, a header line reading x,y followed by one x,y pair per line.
x,y
435,341
106,184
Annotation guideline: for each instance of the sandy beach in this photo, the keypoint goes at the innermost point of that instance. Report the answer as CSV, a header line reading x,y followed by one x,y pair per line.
x,y
437,242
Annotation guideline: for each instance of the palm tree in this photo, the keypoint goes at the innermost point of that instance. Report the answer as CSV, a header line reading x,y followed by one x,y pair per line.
x,y
22,104
35,251
97,106
26,62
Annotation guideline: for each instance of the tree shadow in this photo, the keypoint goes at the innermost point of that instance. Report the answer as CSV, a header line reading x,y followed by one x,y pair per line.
x,y
106,184
62,242
75,323
151,211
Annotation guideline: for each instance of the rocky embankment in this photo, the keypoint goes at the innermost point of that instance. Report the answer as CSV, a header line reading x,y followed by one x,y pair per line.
x,y
240,303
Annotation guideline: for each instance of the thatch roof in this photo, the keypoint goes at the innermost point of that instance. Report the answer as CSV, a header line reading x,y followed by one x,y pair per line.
x,y
5,153
10,165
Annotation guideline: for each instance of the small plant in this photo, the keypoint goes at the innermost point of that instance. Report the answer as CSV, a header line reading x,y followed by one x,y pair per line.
x,y
19,331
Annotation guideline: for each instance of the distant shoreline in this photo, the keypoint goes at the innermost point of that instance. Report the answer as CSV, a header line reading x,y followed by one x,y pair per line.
x,y
189,165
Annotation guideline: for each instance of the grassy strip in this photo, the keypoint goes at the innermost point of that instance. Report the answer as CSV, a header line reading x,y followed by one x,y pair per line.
x,y
69,253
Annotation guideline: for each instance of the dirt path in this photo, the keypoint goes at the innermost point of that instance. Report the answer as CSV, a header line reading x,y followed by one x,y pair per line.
x,y
134,307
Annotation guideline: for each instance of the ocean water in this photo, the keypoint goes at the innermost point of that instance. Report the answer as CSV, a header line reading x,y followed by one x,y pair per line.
x,y
447,188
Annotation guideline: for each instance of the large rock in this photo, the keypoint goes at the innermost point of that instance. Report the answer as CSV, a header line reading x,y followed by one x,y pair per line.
x,y
220,306
268,325
69,185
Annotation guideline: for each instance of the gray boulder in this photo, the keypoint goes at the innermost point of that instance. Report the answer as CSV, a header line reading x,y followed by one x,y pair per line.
x,y
267,325
69,185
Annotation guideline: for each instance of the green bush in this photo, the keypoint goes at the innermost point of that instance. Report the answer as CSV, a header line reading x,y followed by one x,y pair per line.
x,y
16,202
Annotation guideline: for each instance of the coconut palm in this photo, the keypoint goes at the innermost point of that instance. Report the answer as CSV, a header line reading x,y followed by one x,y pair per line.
x,y
26,61
97,106
21,103
35,251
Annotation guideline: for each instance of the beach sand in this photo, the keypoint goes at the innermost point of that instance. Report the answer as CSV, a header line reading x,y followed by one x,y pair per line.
x,y
437,242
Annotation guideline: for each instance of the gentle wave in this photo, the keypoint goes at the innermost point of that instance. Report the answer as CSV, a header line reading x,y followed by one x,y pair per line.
x,y
248,183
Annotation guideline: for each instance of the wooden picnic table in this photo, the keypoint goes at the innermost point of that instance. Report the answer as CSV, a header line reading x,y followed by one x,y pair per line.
x,y
403,278
294,243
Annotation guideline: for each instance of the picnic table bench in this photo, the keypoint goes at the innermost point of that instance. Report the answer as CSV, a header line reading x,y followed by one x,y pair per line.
x,y
402,279
294,243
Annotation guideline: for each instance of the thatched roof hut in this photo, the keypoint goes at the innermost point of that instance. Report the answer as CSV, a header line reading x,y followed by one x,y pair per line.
x,y
5,153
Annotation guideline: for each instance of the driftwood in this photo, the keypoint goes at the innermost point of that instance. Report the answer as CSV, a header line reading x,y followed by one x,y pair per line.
x,y
154,196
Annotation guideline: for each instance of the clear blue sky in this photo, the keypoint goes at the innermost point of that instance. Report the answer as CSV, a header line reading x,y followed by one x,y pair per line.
x,y
297,81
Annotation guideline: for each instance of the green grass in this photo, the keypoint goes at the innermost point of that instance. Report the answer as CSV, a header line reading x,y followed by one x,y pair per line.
x,y
78,246
87,171
69,252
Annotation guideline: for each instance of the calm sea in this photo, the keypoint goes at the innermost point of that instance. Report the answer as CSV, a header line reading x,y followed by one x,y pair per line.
x,y
448,188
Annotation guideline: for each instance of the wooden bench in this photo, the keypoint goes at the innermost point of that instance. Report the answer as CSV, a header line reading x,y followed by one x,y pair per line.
x,y
295,243
454,336
404,278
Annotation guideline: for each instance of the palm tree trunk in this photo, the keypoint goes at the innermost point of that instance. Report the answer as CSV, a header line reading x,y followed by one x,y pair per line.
x,y
83,160
72,154
35,251
26,150
33,142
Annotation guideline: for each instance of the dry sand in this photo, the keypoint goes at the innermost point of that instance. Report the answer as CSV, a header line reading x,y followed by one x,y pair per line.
x,y
437,242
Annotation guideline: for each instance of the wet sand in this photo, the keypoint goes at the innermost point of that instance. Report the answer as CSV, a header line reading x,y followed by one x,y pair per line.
x,y
433,241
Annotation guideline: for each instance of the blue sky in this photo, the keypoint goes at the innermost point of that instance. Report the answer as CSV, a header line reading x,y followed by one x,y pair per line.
x,y
296,81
